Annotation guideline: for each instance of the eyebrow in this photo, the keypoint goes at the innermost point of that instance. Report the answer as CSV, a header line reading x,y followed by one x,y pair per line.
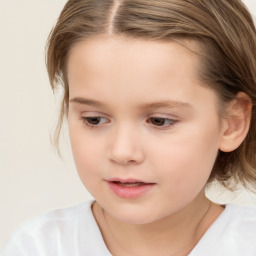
x,y
85,101
160,104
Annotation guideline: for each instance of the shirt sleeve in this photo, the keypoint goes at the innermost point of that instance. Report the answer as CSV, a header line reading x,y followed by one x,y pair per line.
x,y
21,244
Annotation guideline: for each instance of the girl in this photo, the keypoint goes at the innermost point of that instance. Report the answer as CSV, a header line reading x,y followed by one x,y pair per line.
x,y
160,101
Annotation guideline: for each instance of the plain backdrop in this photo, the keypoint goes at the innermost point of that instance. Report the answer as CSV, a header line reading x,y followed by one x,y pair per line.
x,y
33,179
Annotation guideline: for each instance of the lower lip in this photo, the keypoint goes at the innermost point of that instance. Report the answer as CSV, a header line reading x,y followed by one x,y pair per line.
x,y
130,192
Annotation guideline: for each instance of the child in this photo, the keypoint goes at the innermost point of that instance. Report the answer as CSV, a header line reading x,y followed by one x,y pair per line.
x,y
160,99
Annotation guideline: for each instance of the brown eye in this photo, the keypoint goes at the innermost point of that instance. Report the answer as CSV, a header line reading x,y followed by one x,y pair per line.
x,y
95,120
162,122
158,121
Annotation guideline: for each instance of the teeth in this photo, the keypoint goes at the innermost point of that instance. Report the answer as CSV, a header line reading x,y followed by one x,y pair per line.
x,y
134,184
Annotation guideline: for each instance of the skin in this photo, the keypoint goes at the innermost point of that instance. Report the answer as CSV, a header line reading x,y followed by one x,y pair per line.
x,y
124,76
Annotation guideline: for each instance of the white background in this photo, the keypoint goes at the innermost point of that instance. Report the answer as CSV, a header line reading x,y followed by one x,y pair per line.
x,y
33,180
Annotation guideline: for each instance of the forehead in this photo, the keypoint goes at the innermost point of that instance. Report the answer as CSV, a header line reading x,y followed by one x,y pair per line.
x,y
116,57
128,51
140,70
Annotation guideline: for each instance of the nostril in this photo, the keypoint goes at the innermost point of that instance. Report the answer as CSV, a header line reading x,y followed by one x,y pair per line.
x,y
124,162
125,152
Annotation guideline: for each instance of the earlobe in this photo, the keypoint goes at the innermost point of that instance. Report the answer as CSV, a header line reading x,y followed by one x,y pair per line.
x,y
237,123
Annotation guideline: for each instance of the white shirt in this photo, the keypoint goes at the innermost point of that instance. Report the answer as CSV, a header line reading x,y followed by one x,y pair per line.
x,y
74,232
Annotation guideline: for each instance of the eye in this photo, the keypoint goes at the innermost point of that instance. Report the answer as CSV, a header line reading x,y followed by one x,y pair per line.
x,y
94,120
162,122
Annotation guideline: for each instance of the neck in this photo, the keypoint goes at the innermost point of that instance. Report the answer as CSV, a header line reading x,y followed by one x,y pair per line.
x,y
176,234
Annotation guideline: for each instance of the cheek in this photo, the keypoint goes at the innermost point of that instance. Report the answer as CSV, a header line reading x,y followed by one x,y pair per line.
x,y
86,157
186,161
86,152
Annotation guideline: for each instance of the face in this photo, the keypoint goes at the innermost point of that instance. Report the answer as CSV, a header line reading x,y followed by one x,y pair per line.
x,y
144,131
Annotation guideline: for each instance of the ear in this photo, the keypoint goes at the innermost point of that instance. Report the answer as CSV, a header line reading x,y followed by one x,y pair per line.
x,y
237,122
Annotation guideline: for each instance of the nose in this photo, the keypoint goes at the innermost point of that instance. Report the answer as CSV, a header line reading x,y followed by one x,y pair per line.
x,y
125,147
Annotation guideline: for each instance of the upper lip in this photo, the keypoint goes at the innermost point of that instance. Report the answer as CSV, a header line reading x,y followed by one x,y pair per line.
x,y
129,180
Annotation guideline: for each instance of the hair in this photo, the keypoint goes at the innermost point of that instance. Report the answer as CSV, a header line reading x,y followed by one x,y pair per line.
x,y
223,29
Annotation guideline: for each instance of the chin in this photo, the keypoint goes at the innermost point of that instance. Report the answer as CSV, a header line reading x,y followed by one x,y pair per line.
x,y
134,220
134,217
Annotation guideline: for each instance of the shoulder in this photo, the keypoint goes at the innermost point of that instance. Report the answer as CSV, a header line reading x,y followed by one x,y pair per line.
x,y
241,218
55,232
57,220
238,226
232,234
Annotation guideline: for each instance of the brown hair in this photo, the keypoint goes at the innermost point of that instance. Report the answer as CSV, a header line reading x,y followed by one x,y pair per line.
x,y
223,28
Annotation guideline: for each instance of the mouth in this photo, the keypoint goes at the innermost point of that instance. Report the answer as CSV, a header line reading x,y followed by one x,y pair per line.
x,y
129,188
129,184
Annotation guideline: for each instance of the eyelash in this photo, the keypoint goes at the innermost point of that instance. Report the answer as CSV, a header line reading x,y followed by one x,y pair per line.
x,y
85,121
172,122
